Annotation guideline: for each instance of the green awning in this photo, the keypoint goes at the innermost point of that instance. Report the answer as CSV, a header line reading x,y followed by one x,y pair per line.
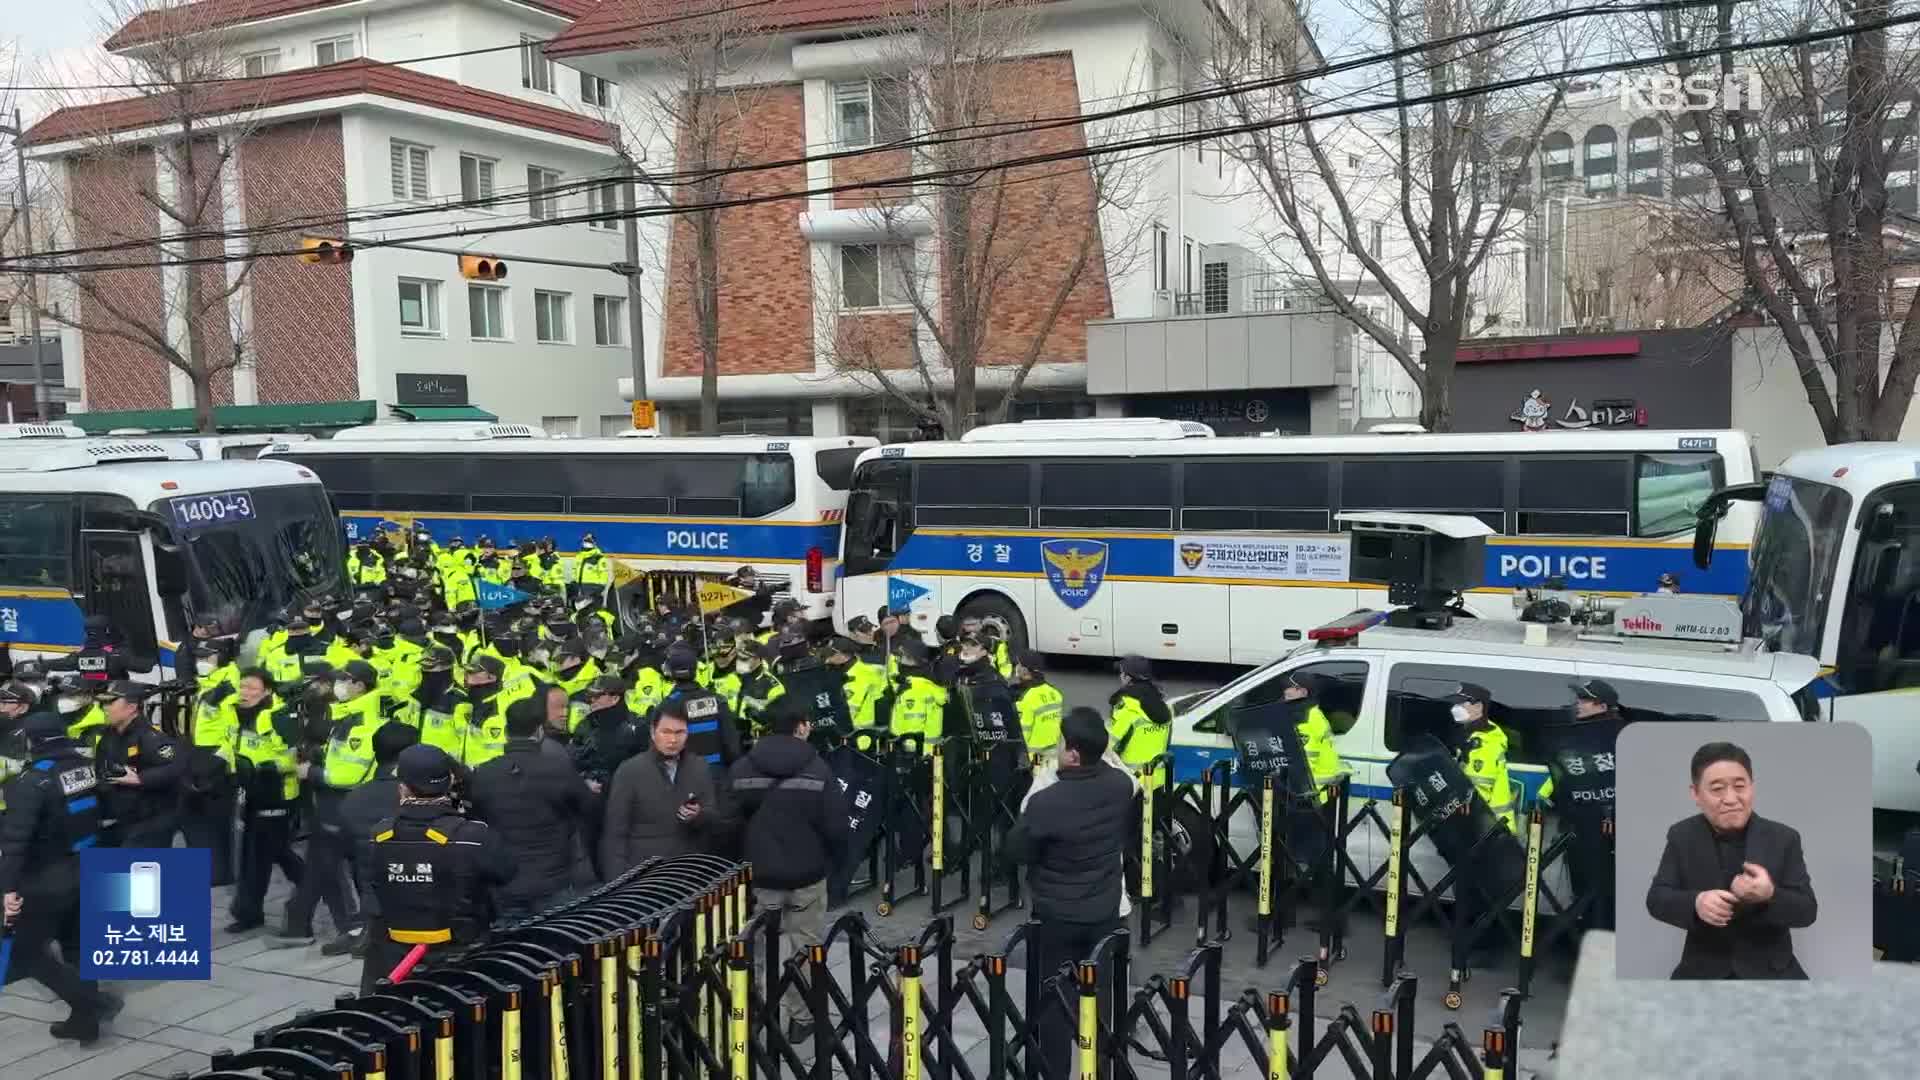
x,y
232,419
442,412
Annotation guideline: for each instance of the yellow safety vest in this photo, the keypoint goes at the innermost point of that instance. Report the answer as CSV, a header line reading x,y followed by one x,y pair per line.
x,y
866,685
262,745
350,760
1316,738
1040,706
1136,738
1485,762
920,709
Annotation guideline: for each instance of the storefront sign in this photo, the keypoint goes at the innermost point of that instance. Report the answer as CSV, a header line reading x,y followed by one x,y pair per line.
x,y
423,389
1265,558
1536,413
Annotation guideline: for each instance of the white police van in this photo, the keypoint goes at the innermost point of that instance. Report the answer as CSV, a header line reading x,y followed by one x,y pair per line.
x,y
1381,686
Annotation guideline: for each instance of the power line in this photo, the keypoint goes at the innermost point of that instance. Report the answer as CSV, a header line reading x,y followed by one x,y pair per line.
x,y
1153,143
931,138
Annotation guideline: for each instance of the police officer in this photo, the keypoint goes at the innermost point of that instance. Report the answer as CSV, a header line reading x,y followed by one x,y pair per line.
x,y
1316,731
1141,725
142,772
711,734
609,734
481,718
267,773
640,656
865,671
429,869
819,683
573,668
347,763
52,814
592,570
433,706
1481,746
751,687
208,813
920,709
16,702
1040,705
1580,787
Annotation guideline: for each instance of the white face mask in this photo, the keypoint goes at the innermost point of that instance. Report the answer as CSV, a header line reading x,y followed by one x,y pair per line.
x,y
204,667
538,656
1461,715
69,705
343,691
744,667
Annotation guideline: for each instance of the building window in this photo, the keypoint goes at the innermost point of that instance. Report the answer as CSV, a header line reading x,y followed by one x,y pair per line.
x,y
261,63
609,320
603,201
1377,242
550,318
612,424
1214,276
487,312
409,164
871,276
542,203
867,112
476,178
1159,258
332,50
568,426
595,91
419,306
1186,265
536,71
1600,184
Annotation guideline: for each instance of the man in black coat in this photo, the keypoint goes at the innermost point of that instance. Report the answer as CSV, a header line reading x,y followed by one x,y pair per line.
x,y
795,831
1070,839
1736,882
661,803
538,806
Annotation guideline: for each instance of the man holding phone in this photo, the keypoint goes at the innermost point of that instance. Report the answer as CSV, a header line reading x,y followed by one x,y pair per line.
x,y
659,803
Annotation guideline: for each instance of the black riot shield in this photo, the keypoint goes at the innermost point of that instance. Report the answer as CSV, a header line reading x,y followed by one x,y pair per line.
x,y
1459,822
863,781
1266,742
824,693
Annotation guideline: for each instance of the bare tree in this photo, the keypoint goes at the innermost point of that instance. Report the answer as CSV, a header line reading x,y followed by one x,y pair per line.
x,y
179,154
980,271
1415,201
1801,205
696,110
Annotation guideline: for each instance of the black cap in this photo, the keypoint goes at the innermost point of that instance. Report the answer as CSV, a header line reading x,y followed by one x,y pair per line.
x,y
361,672
299,625
43,724
489,664
436,658
1136,667
1598,690
15,694
123,688
914,651
860,624
209,648
572,647
425,769
1031,660
1470,692
786,607
842,646
791,647
681,662
607,684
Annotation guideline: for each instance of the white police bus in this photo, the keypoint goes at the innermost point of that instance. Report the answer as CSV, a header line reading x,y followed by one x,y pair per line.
x,y
155,539
1109,537
1836,576
704,504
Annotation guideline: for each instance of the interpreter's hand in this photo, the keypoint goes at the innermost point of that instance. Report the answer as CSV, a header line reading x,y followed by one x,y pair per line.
x,y
1754,885
13,906
1715,907
130,778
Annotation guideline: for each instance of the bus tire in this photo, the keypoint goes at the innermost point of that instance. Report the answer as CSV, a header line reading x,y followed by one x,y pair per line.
x,y
993,608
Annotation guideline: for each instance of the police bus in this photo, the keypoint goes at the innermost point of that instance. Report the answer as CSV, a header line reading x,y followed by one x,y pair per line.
x,y
1836,576
710,504
154,539
1109,537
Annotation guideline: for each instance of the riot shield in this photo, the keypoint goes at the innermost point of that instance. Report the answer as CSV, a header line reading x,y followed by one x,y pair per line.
x,y
1583,796
1266,742
863,781
1458,820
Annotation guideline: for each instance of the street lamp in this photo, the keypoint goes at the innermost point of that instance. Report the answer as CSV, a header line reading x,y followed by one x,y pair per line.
x,y
40,409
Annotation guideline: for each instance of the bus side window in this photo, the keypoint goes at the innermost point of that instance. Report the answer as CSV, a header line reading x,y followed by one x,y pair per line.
x,y
116,586
36,534
1880,628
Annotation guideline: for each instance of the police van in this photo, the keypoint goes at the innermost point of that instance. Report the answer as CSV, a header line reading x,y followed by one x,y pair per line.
x,y
1384,680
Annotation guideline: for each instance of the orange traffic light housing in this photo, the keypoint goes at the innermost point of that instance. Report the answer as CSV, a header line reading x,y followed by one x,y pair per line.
x,y
322,249
482,268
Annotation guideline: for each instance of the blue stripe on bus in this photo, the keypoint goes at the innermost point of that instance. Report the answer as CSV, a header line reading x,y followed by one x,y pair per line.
x,y
663,538
1600,565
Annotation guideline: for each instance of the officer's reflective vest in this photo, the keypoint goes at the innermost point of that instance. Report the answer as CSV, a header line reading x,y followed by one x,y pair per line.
x,y
86,729
1485,762
414,877
748,696
497,574
866,683
285,664
519,680
339,654
1136,738
578,680
261,746
213,722
371,571
271,646
703,673
552,572
1003,659
456,584
1316,739
350,760
649,689
444,724
920,709
593,567
1040,705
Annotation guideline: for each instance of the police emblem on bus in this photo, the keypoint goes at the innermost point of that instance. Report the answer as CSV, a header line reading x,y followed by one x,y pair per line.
x,y
1193,555
1075,569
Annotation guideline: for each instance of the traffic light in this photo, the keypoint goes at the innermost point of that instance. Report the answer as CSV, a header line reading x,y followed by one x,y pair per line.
x,y
482,268
323,249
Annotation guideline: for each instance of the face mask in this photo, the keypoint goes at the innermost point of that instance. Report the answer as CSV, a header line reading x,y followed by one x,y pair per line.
x,y
68,706
343,691
482,690
204,667
1460,714
839,665
743,667
537,656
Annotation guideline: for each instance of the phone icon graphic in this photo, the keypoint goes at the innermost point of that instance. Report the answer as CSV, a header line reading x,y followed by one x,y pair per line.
x,y
143,894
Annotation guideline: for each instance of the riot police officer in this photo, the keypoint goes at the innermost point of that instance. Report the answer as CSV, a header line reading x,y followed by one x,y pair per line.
x,y
1040,704
1580,787
348,762
1141,725
920,709
751,687
208,813
16,702
1316,731
1481,746
142,771
430,869
52,814
819,683
711,734
266,770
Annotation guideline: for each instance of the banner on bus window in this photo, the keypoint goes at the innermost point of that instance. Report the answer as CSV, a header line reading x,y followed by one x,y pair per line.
x,y
1264,558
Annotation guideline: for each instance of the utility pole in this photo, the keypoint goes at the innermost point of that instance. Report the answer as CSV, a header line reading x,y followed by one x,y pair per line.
x,y
40,407
635,326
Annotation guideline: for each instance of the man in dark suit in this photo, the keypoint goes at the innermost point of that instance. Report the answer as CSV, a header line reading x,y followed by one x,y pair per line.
x,y
1734,881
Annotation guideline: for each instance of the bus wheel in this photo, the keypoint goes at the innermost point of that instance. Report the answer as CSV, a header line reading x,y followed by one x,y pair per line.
x,y
1000,613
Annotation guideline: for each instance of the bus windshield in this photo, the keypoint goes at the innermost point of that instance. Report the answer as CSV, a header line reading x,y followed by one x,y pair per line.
x,y
242,569
1796,552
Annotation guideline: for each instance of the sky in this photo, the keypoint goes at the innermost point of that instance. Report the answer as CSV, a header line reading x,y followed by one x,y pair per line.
x,y
57,38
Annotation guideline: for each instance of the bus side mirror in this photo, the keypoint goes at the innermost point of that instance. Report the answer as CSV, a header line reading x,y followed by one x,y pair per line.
x,y
169,570
1703,534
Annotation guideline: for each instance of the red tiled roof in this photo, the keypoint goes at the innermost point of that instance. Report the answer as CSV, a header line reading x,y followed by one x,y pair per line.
x,y
626,24
210,14
313,84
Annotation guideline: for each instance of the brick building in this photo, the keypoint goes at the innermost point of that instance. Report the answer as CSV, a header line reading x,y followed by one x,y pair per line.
x,y
326,139
806,283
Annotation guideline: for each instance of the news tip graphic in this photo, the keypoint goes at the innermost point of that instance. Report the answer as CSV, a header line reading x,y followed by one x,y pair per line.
x,y
146,913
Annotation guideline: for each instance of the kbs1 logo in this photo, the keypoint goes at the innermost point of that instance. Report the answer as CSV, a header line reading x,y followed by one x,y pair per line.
x,y
1700,92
